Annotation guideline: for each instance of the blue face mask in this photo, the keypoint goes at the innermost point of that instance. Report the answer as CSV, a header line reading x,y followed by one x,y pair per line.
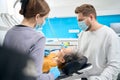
x,y
38,27
82,25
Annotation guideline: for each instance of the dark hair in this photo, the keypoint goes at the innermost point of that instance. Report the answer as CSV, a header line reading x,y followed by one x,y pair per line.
x,y
30,8
86,10
73,63
71,57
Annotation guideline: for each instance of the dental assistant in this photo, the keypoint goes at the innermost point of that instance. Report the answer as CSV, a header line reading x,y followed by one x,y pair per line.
x,y
25,39
99,43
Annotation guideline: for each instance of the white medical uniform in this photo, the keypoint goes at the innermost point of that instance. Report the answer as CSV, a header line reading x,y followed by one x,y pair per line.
x,y
102,48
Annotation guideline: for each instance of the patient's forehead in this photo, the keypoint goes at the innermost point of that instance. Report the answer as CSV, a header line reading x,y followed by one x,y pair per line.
x,y
66,50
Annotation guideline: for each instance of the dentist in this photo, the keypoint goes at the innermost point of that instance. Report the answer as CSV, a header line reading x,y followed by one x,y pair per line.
x,y
99,44
24,38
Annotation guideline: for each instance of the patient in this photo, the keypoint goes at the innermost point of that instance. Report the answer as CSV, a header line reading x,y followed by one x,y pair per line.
x,y
64,58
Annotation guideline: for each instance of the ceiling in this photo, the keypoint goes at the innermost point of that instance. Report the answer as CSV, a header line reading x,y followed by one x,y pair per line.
x,y
99,4
67,7
64,8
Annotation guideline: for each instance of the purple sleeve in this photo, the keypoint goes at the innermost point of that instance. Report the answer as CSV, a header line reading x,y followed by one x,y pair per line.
x,y
37,53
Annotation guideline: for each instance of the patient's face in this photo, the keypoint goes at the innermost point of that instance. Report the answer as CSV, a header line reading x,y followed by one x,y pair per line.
x,y
62,53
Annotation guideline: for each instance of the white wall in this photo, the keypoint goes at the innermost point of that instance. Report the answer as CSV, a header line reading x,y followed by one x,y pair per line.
x,y
65,8
6,6
3,6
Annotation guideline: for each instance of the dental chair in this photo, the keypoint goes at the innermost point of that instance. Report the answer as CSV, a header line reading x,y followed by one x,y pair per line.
x,y
74,71
74,67
116,27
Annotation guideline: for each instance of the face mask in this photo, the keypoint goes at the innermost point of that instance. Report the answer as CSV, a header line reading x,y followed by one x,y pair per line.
x,y
38,27
82,25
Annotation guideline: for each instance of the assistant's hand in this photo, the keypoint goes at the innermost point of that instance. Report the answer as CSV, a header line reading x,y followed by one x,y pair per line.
x,y
55,71
47,52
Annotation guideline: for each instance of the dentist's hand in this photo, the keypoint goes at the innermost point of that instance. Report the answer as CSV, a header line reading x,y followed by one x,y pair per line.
x,y
55,71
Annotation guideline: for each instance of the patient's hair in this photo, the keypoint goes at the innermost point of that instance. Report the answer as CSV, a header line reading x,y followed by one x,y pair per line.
x,y
73,63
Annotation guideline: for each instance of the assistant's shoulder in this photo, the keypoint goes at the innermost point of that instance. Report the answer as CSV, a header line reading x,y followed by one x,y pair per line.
x,y
36,34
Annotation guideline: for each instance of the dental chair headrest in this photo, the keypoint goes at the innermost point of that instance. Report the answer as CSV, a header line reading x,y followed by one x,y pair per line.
x,y
74,66
115,27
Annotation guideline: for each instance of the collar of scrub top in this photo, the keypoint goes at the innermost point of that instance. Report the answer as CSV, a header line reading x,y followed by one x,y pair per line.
x,y
21,25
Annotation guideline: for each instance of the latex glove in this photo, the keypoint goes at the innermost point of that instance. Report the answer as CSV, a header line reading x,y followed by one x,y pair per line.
x,y
47,52
55,71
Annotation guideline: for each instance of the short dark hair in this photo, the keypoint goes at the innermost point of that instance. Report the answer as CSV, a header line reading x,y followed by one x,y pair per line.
x,y
71,57
73,63
30,8
86,10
